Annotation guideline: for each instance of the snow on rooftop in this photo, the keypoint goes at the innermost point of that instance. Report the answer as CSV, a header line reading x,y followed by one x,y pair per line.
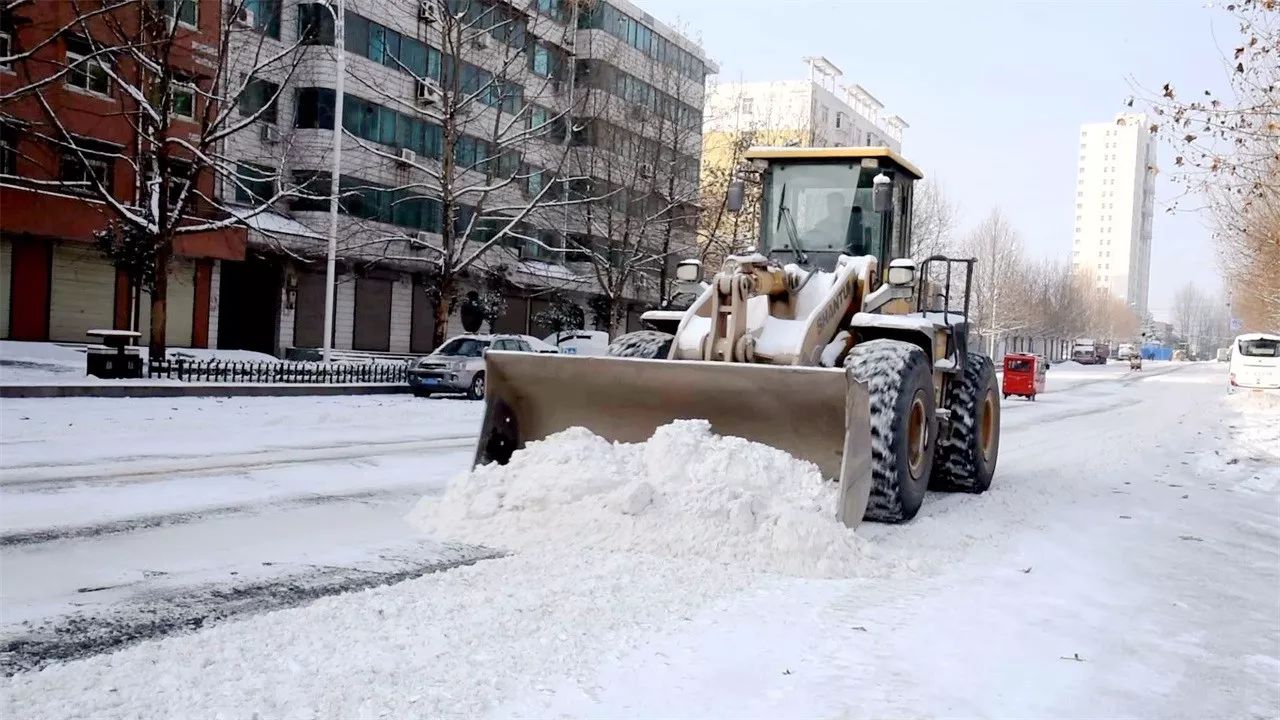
x,y
272,223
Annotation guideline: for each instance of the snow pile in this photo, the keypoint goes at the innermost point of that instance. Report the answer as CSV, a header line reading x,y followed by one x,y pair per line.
x,y
685,493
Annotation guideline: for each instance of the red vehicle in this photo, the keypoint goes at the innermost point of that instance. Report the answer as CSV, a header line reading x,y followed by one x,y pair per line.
x,y
1023,375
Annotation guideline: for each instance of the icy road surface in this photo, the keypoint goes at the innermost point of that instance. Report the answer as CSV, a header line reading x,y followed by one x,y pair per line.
x,y
127,519
1126,563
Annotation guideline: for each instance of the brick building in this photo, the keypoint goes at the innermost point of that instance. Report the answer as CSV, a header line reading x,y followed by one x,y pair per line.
x,y
53,284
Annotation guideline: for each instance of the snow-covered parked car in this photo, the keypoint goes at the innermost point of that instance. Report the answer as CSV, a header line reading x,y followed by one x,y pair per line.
x,y
537,345
580,342
458,365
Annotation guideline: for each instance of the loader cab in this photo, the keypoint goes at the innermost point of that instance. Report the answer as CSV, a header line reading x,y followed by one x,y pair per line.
x,y
820,203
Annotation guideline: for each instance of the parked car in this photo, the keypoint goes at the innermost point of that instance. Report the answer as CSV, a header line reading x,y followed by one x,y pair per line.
x,y
538,345
1255,361
580,342
458,365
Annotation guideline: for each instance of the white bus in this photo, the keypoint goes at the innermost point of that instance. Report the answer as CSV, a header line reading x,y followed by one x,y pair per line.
x,y
1255,361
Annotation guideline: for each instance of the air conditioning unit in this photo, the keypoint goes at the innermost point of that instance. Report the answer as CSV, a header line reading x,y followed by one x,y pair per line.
x,y
429,92
428,11
407,156
420,243
244,18
482,41
270,134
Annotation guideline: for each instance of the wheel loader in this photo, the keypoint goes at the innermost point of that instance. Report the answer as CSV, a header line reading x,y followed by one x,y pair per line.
x,y
825,340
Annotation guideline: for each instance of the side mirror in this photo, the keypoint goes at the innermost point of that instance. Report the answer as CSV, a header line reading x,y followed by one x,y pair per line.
x,y
735,197
882,193
689,271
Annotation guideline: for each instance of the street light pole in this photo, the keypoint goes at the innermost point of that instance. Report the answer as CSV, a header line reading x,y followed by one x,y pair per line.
x,y
340,68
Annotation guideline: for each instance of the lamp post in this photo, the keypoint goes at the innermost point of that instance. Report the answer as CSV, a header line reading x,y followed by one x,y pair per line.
x,y
337,8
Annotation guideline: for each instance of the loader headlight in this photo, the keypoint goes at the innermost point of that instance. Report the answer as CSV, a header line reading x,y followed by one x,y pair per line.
x,y
901,272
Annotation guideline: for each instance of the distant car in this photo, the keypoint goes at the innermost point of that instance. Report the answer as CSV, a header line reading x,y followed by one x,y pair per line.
x,y
580,342
458,365
1255,361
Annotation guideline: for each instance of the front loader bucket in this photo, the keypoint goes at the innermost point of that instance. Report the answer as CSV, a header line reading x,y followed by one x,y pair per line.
x,y
816,414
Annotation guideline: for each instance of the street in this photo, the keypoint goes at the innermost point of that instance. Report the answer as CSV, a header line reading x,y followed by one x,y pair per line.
x,y
1123,564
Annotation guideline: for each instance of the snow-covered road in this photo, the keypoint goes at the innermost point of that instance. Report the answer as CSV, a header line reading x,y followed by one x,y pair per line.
x,y
1126,563
135,518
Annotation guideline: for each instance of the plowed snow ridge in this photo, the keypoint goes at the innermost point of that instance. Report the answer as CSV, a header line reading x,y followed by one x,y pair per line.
x,y
685,493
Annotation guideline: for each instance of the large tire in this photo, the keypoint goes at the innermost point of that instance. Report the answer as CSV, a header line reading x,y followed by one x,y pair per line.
x,y
647,344
900,383
968,453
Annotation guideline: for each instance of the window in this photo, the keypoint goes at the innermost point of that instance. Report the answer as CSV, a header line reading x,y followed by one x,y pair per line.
x,y
255,184
259,94
463,347
824,114
266,17
538,117
184,100
314,108
8,150
184,11
315,24
839,119
470,153
535,182
540,60
6,49
80,176
87,74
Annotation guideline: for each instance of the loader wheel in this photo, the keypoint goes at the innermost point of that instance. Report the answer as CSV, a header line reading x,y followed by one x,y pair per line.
x,y
900,385
647,344
968,453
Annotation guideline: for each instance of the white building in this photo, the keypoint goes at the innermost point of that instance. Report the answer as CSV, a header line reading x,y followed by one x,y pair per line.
x,y
549,58
820,110
1115,189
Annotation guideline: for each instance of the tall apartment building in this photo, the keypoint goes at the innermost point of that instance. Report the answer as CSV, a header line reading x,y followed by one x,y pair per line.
x,y
588,112
818,111
1115,195
599,91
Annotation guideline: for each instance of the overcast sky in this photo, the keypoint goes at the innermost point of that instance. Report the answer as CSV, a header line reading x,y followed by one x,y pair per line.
x,y
995,92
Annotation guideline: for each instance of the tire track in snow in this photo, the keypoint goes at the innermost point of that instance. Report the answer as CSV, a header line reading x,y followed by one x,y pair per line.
x,y
125,471
192,608
186,517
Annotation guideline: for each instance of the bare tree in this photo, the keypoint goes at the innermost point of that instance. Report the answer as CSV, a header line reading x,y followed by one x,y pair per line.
x,y
164,70
999,279
1227,156
933,221
638,213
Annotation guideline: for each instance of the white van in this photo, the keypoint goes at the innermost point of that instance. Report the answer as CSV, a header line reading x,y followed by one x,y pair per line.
x,y
1255,361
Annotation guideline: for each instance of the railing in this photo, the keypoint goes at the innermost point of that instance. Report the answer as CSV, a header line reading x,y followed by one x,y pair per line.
x,y
277,372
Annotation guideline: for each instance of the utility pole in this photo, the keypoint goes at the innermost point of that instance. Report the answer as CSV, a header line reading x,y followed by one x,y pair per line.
x,y
338,8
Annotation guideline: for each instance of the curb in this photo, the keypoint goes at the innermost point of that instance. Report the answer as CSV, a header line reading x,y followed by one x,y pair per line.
x,y
194,390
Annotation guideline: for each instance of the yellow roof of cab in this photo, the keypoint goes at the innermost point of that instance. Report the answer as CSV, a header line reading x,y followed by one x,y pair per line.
x,y
832,153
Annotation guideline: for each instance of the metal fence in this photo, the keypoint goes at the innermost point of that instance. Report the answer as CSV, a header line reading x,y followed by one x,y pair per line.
x,y
277,372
